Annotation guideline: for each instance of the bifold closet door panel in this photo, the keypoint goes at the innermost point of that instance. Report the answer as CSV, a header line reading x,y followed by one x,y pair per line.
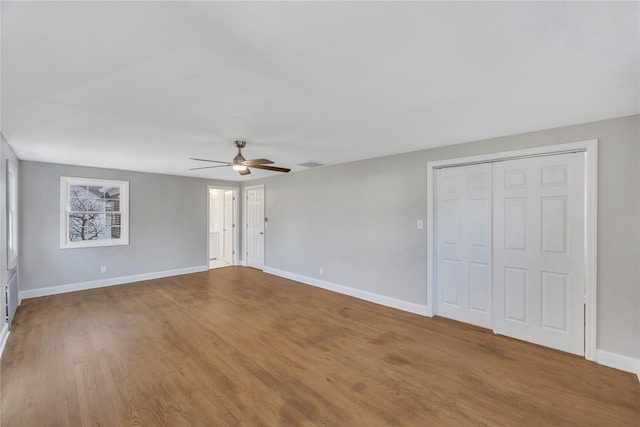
x,y
463,236
538,250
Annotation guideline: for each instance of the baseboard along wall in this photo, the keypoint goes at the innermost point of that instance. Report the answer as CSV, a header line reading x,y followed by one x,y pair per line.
x,y
618,361
606,358
354,292
93,284
603,357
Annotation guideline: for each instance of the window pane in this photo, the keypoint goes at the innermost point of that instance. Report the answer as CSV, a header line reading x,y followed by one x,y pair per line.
x,y
89,226
110,192
103,192
112,205
84,198
89,233
114,219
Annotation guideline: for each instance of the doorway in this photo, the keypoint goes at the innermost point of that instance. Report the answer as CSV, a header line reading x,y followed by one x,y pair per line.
x,y
222,230
511,244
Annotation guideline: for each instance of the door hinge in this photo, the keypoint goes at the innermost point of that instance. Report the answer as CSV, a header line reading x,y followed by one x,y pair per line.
x,y
233,252
233,225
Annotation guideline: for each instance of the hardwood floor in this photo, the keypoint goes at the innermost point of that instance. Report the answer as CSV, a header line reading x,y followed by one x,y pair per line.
x,y
237,347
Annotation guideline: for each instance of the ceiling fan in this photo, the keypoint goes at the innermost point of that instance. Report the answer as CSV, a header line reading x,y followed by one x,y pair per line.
x,y
241,164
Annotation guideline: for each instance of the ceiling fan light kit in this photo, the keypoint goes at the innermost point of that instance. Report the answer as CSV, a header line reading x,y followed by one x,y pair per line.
x,y
242,165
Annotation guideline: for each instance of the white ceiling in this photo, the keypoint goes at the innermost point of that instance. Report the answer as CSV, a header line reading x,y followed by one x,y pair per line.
x,y
146,85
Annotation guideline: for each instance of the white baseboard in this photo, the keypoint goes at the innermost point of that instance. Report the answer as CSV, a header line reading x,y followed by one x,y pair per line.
x,y
4,335
612,360
618,361
81,286
603,357
347,290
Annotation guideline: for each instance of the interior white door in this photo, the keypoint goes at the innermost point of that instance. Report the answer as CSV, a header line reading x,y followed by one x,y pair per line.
x,y
228,228
463,235
538,250
255,227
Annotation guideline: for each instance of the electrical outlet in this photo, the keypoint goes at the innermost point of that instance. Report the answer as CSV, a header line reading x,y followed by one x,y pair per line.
x,y
103,269
321,271
420,224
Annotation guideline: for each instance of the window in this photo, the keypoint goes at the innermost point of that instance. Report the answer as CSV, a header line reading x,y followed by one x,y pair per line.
x,y
93,212
12,215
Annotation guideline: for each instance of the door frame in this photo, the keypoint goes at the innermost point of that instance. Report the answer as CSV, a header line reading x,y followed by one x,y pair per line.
x,y
236,195
245,236
590,147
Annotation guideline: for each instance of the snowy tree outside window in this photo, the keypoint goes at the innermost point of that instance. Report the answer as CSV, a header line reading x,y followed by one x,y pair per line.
x,y
94,212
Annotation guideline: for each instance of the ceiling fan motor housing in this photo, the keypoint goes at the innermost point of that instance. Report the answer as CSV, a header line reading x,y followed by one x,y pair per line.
x,y
237,160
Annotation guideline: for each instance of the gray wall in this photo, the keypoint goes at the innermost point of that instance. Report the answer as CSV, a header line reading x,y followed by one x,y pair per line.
x,y
168,227
358,222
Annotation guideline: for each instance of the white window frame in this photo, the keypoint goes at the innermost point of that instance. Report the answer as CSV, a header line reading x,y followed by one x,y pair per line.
x,y
12,215
65,189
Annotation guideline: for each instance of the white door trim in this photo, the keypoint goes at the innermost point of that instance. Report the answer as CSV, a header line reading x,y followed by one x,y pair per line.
x,y
590,147
236,195
245,215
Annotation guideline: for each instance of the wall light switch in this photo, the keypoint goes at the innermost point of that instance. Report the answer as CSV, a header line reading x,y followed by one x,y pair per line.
x,y
420,224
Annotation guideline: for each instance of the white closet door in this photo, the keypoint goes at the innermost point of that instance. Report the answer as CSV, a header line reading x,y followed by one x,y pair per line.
x,y
464,243
255,227
538,250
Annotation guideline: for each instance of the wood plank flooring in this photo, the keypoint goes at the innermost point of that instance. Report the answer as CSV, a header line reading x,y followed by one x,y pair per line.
x,y
237,347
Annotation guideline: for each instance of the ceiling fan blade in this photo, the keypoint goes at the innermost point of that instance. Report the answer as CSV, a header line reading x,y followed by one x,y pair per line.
x,y
207,160
209,167
246,171
271,168
254,162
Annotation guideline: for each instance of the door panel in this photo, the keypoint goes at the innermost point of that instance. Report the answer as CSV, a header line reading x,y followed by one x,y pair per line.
x,y
515,294
538,250
554,224
463,218
255,227
515,223
479,275
554,301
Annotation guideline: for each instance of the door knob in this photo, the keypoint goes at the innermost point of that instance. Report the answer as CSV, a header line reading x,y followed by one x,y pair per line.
x,y
261,232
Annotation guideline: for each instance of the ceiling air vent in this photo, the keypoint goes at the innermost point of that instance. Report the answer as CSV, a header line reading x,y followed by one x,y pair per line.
x,y
311,164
